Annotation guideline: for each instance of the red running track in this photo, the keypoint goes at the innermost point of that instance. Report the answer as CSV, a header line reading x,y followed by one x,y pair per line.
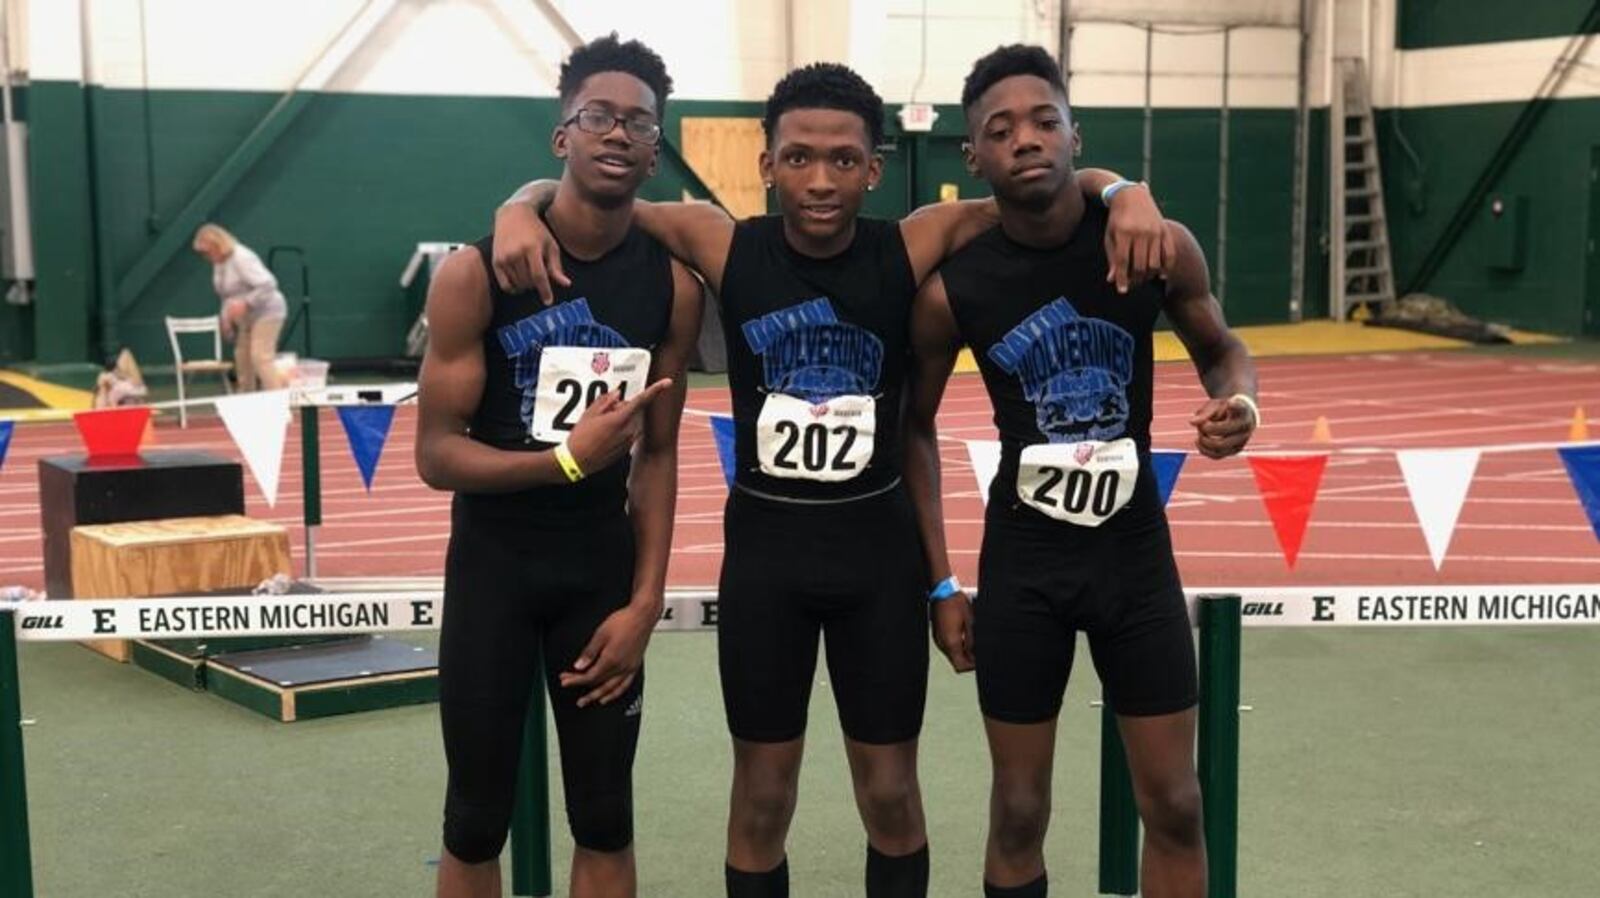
x,y
1521,523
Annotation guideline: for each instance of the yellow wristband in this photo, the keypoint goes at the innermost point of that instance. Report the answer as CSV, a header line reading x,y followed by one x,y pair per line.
x,y
569,465
1248,401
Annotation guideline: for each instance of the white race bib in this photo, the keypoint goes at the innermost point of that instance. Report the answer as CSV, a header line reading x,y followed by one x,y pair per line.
x,y
1081,483
572,378
829,440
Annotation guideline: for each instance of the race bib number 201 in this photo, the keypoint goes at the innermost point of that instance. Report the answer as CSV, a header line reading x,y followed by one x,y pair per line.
x,y
1081,483
828,441
572,378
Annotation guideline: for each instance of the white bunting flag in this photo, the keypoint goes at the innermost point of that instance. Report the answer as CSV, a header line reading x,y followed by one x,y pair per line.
x,y
258,423
985,457
1437,480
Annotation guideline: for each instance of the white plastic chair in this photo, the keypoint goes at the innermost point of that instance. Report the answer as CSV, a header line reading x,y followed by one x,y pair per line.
x,y
214,365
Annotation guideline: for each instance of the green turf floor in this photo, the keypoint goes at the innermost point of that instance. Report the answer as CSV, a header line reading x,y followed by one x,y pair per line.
x,y
1375,763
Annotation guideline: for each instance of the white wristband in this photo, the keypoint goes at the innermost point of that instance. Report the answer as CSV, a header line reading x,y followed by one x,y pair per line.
x,y
1115,187
1248,401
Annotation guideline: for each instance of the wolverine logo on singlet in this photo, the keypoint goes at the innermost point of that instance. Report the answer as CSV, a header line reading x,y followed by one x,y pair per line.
x,y
1075,371
819,418
563,360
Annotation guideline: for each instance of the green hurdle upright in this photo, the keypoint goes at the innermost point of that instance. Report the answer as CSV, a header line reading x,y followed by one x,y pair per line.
x,y
16,865
530,818
1220,619
1218,765
1119,819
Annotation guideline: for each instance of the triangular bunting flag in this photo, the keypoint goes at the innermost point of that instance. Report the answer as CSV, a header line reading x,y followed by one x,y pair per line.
x,y
258,423
5,440
722,432
985,458
1288,488
112,431
1583,466
1437,480
367,429
1167,463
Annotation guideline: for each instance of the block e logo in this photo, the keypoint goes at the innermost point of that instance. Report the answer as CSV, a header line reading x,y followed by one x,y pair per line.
x,y
1322,608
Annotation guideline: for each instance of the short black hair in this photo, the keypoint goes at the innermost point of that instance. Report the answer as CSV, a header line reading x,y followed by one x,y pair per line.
x,y
612,54
1005,62
826,85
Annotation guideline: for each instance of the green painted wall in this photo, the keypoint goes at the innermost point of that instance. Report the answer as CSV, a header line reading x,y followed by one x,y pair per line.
x,y
1447,23
358,179
1184,173
63,237
16,333
1551,171
355,182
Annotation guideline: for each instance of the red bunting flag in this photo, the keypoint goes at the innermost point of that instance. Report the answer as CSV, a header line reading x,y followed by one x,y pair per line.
x,y
1288,488
112,431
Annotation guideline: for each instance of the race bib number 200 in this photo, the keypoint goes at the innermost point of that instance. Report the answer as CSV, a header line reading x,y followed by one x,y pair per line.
x,y
572,378
1080,483
828,441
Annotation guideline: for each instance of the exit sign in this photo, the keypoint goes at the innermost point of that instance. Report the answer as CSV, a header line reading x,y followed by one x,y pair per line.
x,y
918,117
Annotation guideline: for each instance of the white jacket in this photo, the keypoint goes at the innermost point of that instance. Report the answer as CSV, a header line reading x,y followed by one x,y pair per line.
x,y
243,276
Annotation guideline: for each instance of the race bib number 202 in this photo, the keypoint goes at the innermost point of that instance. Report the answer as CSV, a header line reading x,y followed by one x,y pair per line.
x,y
828,441
1082,483
572,378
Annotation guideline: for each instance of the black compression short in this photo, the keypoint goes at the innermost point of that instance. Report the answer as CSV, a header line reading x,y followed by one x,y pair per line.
x,y
1040,582
851,572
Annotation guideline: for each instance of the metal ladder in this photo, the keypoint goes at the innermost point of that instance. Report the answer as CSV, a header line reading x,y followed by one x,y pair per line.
x,y
1363,271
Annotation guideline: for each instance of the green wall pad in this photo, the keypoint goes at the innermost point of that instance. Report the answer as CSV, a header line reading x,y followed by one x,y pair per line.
x,y
302,682
1451,23
1547,191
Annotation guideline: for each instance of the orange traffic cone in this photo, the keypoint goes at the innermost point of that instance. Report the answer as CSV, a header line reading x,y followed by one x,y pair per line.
x,y
1321,432
1579,431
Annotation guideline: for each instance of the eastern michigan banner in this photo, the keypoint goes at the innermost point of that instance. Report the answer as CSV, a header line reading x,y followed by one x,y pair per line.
x,y
212,616
1332,606
1342,606
1415,606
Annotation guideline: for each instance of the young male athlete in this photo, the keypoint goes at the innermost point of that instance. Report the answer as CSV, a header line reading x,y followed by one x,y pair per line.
x,y
558,547
820,537
1075,538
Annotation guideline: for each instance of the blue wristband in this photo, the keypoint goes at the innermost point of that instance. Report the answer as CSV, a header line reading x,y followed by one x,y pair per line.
x,y
944,589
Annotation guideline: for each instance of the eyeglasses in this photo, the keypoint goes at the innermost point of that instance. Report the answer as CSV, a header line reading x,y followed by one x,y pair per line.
x,y
598,121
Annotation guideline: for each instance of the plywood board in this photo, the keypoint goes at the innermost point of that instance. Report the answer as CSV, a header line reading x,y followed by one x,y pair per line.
x,y
175,556
725,153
